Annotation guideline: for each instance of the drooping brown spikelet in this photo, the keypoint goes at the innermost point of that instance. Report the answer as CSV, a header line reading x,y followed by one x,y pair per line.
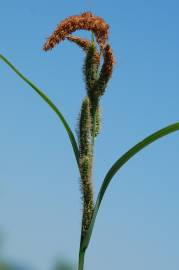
x,y
81,42
84,21
85,162
106,71
85,44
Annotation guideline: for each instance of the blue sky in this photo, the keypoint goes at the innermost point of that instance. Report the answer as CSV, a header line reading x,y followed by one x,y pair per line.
x,y
137,226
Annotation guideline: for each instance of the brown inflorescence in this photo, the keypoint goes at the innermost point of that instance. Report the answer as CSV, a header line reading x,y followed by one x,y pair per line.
x,y
109,60
106,71
85,44
81,42
96,79
84,21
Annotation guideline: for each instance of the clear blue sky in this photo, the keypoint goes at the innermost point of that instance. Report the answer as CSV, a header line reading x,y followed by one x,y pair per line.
x,y
137,226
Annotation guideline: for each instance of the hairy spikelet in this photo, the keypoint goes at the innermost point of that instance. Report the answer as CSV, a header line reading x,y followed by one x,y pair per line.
x,y
90,69
83,43
106,71
84,21
85,162
87,193
97,120
84,127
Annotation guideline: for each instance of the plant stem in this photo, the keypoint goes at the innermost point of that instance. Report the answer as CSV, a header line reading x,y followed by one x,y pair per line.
x,y
81,259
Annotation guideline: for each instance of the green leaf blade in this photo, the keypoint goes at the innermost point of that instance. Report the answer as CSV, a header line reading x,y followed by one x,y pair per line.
x,y
51,105
118,164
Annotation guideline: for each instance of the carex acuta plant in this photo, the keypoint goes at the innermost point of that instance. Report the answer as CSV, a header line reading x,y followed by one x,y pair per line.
x,y
97,71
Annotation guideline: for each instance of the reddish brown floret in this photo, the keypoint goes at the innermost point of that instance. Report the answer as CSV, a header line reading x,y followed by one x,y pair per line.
x,y
85,21
106,71
81,42
85,44
109,61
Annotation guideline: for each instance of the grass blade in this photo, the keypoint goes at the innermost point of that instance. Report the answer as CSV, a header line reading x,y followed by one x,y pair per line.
x,y
51,104
117,165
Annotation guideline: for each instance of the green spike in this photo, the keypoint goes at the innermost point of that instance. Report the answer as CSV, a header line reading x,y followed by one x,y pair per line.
x,y
90,69
85,163
97,121
84,128
105,73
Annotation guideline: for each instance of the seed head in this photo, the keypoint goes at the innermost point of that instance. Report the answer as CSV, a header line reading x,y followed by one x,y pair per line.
x,y
85,162
84,21
90,69
81,42
98,120
85,44
106,71
84,129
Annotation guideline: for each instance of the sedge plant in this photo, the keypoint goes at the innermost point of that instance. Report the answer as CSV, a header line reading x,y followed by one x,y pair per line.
x,y
97,71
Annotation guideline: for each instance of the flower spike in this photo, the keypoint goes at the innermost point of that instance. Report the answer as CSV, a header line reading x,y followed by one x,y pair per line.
x,y
84,21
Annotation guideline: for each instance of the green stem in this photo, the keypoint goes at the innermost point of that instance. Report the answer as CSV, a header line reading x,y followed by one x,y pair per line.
x,y
81,259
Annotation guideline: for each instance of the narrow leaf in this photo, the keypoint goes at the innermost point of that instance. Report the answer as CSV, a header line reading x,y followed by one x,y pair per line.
x,y
51,104
117,165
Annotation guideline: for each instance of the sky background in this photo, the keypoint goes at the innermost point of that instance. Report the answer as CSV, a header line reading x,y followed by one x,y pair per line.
x,y
40,206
